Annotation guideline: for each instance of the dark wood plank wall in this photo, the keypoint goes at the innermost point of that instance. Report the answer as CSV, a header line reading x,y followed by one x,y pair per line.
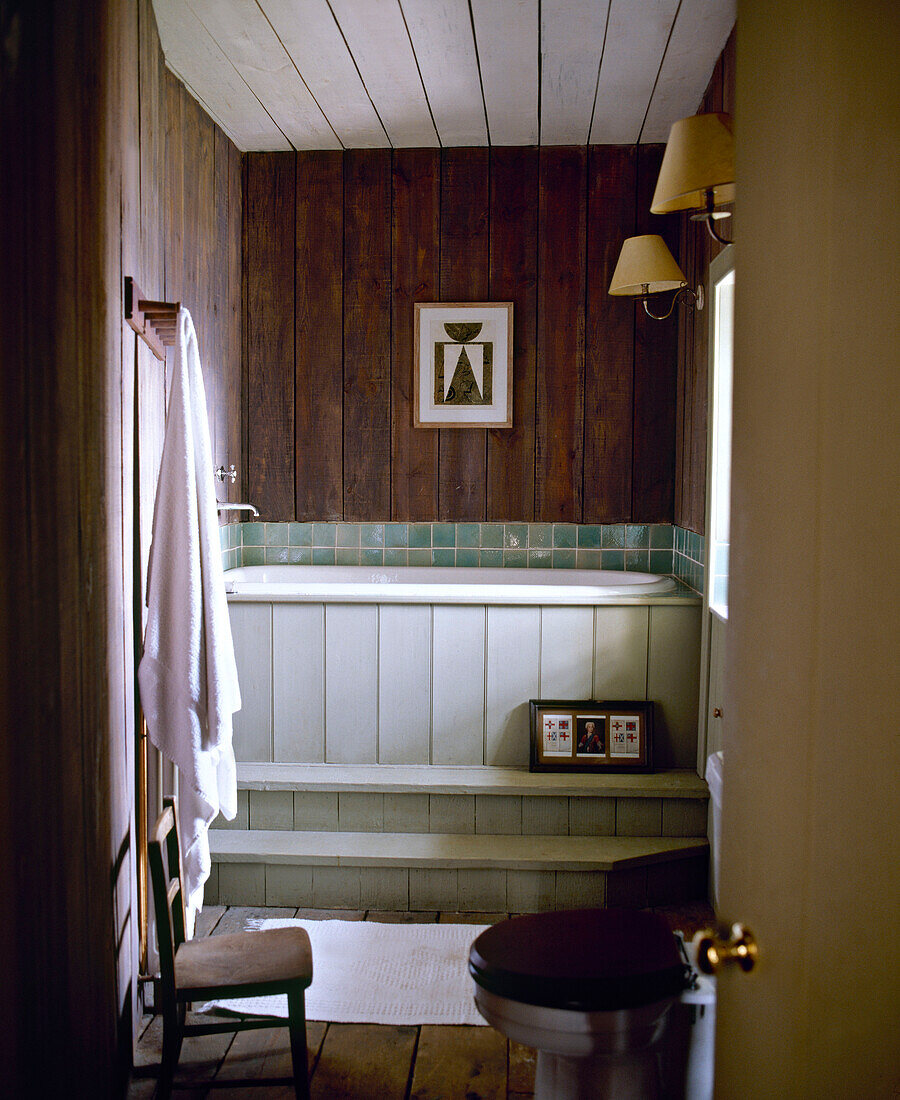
x,y
87,195
328,296
699,250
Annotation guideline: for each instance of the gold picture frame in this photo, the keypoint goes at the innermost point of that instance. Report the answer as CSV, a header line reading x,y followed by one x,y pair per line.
x,y
462,365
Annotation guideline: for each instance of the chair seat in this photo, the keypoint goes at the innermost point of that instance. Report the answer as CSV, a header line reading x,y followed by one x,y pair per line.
x,y
251,963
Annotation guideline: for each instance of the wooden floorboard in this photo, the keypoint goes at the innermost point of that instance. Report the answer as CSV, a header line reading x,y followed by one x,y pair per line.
x,y
364,1062
358,1061
466,1062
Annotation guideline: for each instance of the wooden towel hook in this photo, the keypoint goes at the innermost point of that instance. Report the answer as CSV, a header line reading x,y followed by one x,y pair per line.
x,y
154,322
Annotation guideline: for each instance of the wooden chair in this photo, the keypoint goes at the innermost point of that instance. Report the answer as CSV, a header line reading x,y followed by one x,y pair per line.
x,y
244,964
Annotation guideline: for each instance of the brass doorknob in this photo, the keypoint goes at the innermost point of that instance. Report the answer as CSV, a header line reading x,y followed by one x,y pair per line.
x,y
717,712
713,951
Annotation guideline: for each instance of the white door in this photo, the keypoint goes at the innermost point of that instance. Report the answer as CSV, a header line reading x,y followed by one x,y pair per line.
x,y
812,753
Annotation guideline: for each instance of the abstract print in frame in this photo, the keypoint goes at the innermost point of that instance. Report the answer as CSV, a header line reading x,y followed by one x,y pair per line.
x,y
463,365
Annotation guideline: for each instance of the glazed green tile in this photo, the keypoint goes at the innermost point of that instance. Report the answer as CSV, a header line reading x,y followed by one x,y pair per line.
x,y
565,535
515,559
612,536
419,556
467,556
224,538
587,559
491,559
323,555
394,555
396,535
277,555
612,559
637,536
300,555
662,536
515,536
347,555
540,559
468,534
419,535
347,535
540,536
443,555
589,537
660,561
443,534
253,555
301,534
563,559
323,534
638,560
491,535
371,535
371,555
253,534
277,534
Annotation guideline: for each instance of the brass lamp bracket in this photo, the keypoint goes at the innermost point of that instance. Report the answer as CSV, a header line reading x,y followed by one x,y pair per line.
x,y
685,295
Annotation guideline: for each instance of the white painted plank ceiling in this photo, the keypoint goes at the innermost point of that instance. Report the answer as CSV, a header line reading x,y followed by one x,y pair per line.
x,y
331,74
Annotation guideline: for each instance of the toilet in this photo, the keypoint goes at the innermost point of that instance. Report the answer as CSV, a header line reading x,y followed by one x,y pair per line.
x,y
590,989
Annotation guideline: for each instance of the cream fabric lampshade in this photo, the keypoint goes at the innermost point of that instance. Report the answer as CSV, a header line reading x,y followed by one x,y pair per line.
x,y
699,157
645,260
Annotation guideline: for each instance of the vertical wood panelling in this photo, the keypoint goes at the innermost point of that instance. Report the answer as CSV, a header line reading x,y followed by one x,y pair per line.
x,y
567,639
351,683
698,250
415,276
319,336
232,357
513,254
269,324
404,694
560,335
609,365
251,628
673,669
539,228
655,370
367,333
620,652
458,693
512,676
298,678
465,271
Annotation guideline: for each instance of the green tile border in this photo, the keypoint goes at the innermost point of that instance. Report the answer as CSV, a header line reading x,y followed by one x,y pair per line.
x,y
656,547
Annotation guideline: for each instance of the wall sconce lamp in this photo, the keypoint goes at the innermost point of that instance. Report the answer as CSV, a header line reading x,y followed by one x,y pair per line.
x,y
697,170
645,267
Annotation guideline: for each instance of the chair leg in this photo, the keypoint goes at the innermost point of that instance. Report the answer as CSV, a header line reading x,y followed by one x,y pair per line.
x,y
172,1036
297,1025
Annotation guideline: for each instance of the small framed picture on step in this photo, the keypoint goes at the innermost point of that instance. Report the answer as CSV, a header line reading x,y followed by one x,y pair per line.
x,y
591,735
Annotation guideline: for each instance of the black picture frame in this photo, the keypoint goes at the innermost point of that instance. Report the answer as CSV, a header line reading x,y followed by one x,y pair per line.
x,y
591,735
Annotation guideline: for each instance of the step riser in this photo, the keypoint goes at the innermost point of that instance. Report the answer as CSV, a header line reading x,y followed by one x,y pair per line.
x,y
667,882
510,815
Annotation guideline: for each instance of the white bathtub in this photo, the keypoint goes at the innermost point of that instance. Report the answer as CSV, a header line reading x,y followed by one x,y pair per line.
x,y
434,585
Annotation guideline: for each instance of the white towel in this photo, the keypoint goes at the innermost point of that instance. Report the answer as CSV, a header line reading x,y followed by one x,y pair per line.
x,y
187,676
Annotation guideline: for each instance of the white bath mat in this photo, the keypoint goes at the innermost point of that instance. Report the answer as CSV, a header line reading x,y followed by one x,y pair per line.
x,y
365,972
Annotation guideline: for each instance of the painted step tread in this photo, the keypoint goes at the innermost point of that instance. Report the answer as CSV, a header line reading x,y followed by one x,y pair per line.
x,y
436,779
531,853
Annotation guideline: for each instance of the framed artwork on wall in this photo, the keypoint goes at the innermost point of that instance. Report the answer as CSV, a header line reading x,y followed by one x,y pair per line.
x,y
462,365
591,735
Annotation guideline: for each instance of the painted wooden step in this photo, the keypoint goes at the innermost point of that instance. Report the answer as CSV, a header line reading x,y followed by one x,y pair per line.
x,y
438,779
453,872
330,798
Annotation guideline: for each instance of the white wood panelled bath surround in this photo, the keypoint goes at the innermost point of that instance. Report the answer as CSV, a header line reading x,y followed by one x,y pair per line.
x,y
358,74
383,753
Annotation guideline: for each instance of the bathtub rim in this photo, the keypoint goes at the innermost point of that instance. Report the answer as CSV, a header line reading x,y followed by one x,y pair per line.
x,y
503,587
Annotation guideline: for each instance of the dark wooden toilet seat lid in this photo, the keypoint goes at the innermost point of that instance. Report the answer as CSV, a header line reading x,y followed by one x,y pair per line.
x,y
588,960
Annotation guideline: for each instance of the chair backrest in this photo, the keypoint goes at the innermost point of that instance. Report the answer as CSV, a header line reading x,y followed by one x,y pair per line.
x,y
164,852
